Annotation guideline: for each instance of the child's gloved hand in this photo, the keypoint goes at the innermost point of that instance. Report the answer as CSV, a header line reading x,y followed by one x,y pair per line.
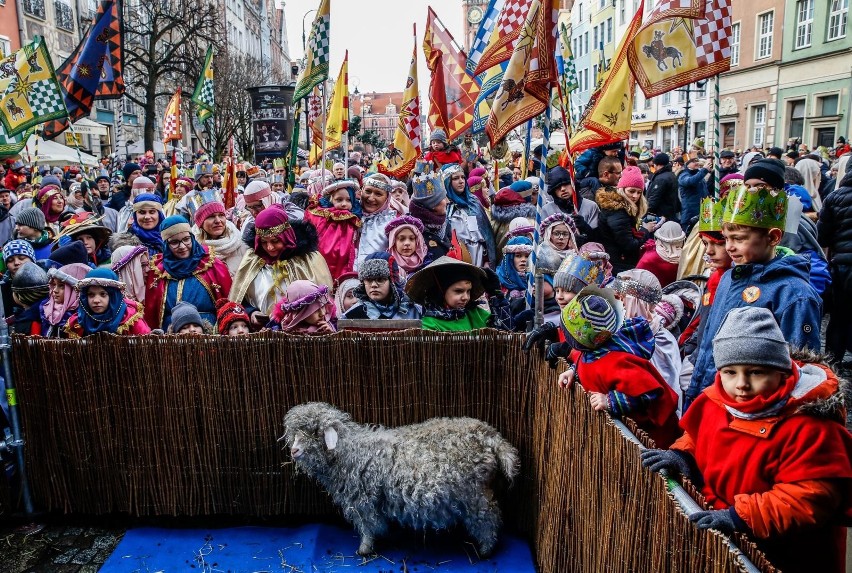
x,y
670,460
556,351
538,337
719,519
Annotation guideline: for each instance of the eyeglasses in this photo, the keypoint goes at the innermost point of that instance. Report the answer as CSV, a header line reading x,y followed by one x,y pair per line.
x,y
175,243
561,235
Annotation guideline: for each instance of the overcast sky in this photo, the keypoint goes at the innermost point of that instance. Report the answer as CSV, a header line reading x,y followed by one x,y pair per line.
x,y
378,35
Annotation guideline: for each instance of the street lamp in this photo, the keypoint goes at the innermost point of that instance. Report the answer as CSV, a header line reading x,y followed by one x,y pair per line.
x,y
304,39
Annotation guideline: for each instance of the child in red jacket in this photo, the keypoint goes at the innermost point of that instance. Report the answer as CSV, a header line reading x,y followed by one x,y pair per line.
x,y
768,441
440,151
612,359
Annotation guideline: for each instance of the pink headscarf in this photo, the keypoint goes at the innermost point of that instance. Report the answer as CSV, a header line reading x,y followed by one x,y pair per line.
x,y
53,311
635,306
45,198
589,248
127,264
274,221
303,298
413,262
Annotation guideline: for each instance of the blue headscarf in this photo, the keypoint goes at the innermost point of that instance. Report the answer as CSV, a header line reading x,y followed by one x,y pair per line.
x,y
110,319
465,200
151,239
510,278
181,268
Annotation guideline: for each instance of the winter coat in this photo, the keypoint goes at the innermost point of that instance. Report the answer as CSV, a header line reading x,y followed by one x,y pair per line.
x,y
782,286
804,242
439,158
372,238
7,226
693,189
474,319
651,261
27,321
785,474
834,227
662,193
618,231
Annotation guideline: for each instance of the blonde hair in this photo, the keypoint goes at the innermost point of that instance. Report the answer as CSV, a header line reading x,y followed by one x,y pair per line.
x,y
634,210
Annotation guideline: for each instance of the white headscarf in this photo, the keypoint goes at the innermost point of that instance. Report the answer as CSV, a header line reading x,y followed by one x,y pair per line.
x,y
811,173
669,241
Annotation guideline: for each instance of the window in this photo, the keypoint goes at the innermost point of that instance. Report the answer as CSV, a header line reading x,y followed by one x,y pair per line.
x,y
701,90
804,23
827,105
580,6
681,94
758,115
668,141
796,127
595,41
34,8
576,53
595,72
635,102
729,130
648,103
586,47
667,98
64,15
825,137
735,44
609,30
622,12
5,46
837,19
699,128
602,4
586,77
765,27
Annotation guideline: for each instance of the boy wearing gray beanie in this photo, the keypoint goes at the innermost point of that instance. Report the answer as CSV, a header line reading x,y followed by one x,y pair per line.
x,y
769,445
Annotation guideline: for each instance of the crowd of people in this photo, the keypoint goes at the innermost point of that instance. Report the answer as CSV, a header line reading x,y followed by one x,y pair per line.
x,y
671,304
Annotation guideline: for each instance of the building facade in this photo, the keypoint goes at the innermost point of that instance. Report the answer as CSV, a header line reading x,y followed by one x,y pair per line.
x,y
379,112
473,13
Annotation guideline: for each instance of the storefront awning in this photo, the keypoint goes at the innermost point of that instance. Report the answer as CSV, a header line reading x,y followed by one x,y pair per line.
x,y
669,122
643,126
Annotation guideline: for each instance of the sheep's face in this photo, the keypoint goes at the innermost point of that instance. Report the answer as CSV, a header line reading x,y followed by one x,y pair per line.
x,y
311,434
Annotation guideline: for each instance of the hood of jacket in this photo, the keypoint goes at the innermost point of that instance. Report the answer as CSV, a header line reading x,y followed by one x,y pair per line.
x,y
610,200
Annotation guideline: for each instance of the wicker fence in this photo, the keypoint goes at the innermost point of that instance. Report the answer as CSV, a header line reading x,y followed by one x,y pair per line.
x,y
187,426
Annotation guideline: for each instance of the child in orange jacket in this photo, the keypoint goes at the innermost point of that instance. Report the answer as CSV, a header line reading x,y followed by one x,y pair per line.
x,y
768,440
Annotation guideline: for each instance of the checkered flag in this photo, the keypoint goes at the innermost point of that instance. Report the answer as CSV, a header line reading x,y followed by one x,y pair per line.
x,y
316,54
171,120
202,97
569,71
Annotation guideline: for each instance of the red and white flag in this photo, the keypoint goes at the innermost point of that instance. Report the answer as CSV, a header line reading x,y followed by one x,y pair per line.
x,y
171,120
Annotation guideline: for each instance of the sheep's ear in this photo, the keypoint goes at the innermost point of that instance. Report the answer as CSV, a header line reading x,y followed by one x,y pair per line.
x,y
330,435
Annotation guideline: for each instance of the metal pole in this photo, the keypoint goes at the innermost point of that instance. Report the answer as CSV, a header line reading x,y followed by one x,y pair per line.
x,y
686,120
324,125
17,442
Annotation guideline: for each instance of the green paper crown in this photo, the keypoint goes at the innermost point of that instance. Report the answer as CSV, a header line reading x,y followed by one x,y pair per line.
x,y
710,219
588,327
762,208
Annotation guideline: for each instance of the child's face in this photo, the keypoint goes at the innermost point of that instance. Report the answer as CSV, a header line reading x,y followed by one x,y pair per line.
x,y
89,241
340,200
633,193
378,289
743,382
237,328
57,291
716,254
405,242
521,260
560,237
564,296
191,329
316,317
436,145
745,245
458,295
349,299
98,299
15,262
397,192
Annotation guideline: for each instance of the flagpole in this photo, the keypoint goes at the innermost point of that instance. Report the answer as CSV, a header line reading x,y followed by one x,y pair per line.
x,y
716,143
539,204
119,126
527,145
568,151
324,126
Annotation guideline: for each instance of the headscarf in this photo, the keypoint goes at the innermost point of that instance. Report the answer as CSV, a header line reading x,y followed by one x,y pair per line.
x,y
45,198
510,278
412,262
303,298
641,291
54,312
110,319
546,230
127,263
466,199
183,268
378,181
669,241
811,173
273,221
71,200
344,287
590,250
150,238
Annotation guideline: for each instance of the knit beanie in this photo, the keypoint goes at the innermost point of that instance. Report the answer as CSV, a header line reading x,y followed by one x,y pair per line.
x,y
173,225
31,217
631,177
524,189
208,210
129,168
378,266
770,171
520,226
227,313
557,177
438,135
591,318
661,159
18,247
184,313
73,252
751,335
51,181
142,185
256,191
30,284
147,201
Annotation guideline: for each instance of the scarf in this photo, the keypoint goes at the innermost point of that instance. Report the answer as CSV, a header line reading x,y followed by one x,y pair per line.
x,y
431,220
151,239
510,278
303,298
432,310
225,245
107,321
45,198
356,204
55,313
399,303
412,262
759,406
183,268
634,306
127,264
634,337
274,221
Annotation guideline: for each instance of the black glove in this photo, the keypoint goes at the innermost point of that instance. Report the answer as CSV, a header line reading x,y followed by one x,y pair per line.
x,y
719,519
539,336
492,283
556,351
501,314
670,460
522,319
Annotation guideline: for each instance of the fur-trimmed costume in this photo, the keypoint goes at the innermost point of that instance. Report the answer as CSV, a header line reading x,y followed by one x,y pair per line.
x,y
132,323
507,205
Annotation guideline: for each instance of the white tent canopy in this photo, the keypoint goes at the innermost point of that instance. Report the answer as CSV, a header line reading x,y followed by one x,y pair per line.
x,y
55,154
86,126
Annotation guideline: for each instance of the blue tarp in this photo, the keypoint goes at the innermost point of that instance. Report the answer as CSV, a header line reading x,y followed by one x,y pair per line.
x,y
314,548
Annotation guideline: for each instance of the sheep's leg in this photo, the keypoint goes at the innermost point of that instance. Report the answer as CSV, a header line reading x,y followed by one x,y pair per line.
x,y
369,525
483,524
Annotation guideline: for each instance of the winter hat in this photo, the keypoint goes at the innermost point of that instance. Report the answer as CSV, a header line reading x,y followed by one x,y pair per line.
x,y
51,181
770,171
534,181
775,152
518,245
256,191
347,184
728,182
173,225
207,210
579,270
30,284
557,177
184,313
751,335
591,318
430,192
227,313
142,185
524,189
438,135
669,310
661,159
73,252
631,177
129,168
727,154
520,226
379,266
18,247
147,201
31,217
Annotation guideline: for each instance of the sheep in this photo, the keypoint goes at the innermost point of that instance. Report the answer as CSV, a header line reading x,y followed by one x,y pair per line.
x,y
429,475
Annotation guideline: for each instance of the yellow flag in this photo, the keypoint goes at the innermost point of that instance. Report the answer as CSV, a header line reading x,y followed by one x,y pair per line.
x,y
337,122
608,113
402,154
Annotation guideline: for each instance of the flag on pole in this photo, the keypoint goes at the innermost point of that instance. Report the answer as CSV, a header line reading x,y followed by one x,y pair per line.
x,y
10,146
507,29
452,92
489,80
30,90
171,120
202,97
337,122
525,90
682,41
608,114
601,65
568,71
94,70
230,182
402,154
316,54
483,35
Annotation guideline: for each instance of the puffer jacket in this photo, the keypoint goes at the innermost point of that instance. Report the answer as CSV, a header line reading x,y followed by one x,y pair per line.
x,y
834,227
662,193
618,232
